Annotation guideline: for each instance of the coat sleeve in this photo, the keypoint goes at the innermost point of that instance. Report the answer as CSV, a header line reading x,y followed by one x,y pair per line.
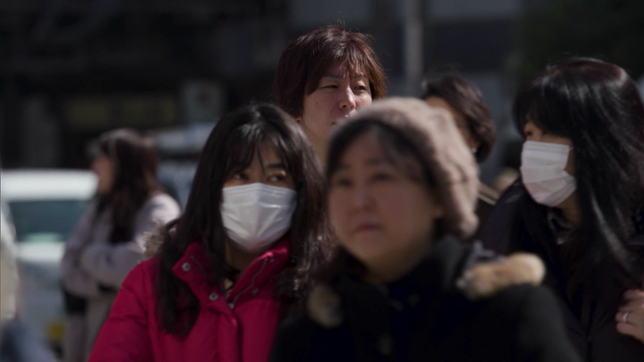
x,y
109,264
125,334
73,277
540,334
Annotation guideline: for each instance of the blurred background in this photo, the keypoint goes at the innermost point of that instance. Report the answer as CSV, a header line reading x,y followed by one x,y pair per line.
x,y
73,69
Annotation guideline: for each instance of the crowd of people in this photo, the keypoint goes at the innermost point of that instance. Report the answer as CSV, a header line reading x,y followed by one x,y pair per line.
x,y
341,225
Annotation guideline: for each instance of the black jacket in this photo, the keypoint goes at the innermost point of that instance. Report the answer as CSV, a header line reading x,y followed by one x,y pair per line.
x,y
425,317
590,317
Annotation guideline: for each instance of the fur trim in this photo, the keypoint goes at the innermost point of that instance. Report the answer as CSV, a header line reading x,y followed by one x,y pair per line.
x,y
487,279
153,242
323,307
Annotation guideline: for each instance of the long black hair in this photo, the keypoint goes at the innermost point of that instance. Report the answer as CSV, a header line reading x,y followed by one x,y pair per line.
x,y
598,107
134,162
231,146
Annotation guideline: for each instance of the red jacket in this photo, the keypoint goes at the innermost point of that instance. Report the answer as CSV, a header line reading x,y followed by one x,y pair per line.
x,y
240,328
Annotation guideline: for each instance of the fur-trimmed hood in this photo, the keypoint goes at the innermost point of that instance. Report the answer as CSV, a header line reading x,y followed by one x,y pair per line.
x,y
153,242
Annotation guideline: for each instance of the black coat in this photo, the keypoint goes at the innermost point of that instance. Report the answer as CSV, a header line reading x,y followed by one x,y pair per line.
x,y
590,318
424,317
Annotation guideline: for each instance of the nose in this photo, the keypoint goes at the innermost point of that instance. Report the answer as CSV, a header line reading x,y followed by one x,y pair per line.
x,y
362,198
348,100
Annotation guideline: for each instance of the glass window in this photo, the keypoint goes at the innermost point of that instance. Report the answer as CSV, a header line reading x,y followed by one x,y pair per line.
x,y
45,220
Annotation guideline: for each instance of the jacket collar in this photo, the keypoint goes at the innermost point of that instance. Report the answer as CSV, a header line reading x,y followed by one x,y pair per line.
x,y
193,268
437,272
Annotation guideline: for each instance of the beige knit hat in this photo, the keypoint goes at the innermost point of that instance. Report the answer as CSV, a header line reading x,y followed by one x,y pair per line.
x,y
433,133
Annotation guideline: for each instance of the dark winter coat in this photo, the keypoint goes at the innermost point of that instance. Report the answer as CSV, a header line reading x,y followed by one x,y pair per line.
x,y
589,318
425,317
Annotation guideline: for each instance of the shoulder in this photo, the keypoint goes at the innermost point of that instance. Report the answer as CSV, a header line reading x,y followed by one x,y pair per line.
x,y
487,195
143,273
486,279
161,200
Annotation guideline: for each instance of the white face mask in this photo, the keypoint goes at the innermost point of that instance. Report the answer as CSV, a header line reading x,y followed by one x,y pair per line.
x,y
257,215
543,172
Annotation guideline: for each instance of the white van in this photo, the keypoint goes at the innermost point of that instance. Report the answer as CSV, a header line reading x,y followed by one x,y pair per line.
x,y
44,207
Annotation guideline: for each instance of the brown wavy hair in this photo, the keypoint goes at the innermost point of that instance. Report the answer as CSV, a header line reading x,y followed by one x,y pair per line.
x,y
231,146
134,161
307,58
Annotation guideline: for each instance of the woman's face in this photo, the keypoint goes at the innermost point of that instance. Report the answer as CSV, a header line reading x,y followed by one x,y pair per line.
x,y
459,120
104,170
267,169
337,96
382,217
534,133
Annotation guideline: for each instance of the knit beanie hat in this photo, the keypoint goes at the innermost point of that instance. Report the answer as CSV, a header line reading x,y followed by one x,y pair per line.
x,y
432,133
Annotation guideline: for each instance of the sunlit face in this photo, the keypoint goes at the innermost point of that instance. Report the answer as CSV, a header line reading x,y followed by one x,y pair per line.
x,y
381,216
269,170
534,133
103,167
337,96
459,120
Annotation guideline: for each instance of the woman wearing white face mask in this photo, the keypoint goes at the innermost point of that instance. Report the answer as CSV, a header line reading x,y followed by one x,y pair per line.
x,y
237,260
580,202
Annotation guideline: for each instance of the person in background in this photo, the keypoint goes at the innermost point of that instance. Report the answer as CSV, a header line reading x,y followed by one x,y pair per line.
x,y
17,342
238,259
9,284
402,191
323,77
579,204
110,237
465,103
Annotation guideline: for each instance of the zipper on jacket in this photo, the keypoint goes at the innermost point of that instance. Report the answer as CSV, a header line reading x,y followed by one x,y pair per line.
x,y
252,283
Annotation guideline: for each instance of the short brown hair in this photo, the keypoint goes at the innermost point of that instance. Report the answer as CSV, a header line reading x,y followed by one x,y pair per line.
x,y
466,99
307,58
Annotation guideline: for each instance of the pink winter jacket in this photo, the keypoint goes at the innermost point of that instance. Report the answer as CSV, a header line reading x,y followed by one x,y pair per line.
x,y
240,328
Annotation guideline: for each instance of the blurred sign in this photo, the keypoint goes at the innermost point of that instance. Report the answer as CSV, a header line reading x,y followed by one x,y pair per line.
x,y
97,113
202,101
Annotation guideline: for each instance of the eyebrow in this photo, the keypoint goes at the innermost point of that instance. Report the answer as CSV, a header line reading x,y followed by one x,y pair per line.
x,y
338,76
369,162
278,165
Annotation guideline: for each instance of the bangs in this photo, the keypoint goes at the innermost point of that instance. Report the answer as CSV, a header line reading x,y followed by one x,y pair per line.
x,y
536,103
244,143
351,57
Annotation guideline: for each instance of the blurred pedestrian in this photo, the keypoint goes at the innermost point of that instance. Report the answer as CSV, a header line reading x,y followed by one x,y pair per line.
x,y
465,103
17,342
324,76
402,191
110,237
9,283
239,257
580,202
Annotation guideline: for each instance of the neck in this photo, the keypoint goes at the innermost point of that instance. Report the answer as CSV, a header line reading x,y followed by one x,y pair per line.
x,y
238,259
393,268
570,210
319,146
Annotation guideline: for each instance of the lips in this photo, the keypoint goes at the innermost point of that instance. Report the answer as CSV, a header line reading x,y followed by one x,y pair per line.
x,y
365,227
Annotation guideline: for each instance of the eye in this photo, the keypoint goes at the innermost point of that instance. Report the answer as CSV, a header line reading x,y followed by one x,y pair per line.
x,y
240,176
277,178
341,182
361,88
330,86
381,176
